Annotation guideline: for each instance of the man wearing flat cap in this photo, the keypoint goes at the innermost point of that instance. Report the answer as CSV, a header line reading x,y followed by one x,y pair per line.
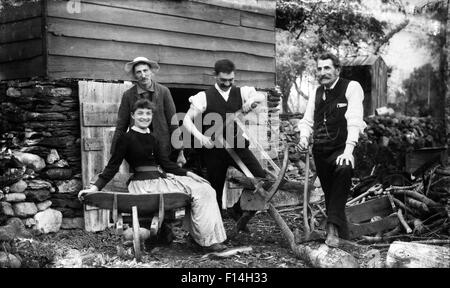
x,y
143,70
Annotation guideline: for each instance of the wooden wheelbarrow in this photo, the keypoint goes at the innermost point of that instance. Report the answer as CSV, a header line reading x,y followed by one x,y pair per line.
x,y
154,205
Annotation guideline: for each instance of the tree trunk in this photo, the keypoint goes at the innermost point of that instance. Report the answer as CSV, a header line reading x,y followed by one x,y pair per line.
x,y
415,255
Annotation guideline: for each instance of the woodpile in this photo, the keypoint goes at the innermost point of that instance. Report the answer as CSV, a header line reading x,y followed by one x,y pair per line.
x,y
40,156
424,207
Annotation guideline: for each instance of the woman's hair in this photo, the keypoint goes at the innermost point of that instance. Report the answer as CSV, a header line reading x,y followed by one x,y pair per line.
x,y
143,104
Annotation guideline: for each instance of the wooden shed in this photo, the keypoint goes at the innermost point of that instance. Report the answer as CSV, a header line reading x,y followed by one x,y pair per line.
x,y
93,39
88,42
371,72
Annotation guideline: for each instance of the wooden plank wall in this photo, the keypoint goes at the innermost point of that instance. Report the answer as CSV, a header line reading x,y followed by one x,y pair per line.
x,y
185,37
21,43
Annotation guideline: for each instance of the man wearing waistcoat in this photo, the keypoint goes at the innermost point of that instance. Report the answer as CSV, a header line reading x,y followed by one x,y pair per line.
x,y
222,98
143,70
334,119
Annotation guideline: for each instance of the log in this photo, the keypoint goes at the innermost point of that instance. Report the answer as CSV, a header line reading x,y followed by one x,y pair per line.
x,y
319,257
416,255
294,187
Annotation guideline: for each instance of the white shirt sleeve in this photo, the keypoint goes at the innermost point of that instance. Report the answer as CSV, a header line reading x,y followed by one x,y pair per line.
x,y
198,101
247,93
305,125
355,112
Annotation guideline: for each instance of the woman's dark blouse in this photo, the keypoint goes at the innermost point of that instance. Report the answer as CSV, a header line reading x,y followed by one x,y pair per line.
x,y
138,149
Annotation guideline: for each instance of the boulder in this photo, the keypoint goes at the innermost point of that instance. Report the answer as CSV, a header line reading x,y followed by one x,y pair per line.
x,y
29,222
30,160
9,261
44,205
70,186
39,184
58,173
37,195
48,221
6,209
15,197
25,209
72,223
53,156
18,187
13,229
13,92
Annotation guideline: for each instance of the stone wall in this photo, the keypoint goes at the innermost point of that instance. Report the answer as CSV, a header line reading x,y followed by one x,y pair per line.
x,y
40,154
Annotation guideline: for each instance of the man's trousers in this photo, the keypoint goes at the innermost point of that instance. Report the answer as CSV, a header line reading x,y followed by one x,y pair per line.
x,y
336,182
218,160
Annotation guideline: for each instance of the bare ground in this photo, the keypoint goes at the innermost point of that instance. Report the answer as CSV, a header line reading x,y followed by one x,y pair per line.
x,y
77,248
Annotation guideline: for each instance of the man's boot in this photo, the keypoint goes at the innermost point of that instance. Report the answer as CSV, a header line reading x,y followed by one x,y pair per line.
x,y
332,235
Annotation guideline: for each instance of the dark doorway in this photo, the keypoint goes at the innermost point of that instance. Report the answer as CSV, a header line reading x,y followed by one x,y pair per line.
x,y
193,156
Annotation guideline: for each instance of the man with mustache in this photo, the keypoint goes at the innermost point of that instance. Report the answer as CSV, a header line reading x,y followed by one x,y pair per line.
x,y
215,103
334,118
143,70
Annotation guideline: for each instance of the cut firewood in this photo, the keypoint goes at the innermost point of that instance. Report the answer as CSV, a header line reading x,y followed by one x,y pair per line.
x,y
417,196
417,204
416,255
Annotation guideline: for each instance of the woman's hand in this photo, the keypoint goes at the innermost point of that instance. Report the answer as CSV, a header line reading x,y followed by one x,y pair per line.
x,y
91,189
181,160
196,177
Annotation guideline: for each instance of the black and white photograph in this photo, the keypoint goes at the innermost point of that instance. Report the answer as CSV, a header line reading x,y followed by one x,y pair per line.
x,y
245,138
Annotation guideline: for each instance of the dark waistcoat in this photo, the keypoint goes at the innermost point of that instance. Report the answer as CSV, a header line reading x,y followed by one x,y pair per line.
x,y
330,125
215,103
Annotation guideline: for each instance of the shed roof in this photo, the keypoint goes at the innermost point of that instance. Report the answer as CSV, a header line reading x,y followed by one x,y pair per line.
x,y
361,60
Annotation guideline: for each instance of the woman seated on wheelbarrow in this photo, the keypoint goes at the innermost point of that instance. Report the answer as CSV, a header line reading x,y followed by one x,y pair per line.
x,y
141,150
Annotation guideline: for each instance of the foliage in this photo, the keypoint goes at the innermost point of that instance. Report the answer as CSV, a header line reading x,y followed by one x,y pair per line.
x,y
422,88
307,28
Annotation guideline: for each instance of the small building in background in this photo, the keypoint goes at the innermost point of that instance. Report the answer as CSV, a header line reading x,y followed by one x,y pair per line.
x,y
371,72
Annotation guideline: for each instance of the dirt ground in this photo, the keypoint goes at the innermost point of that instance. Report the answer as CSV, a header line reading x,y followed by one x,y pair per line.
x,y
77,248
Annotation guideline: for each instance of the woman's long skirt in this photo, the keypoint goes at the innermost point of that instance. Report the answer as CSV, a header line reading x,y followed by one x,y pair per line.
x,y
205,222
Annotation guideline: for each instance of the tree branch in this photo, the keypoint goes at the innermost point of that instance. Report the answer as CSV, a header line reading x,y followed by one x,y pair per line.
x,y
390,34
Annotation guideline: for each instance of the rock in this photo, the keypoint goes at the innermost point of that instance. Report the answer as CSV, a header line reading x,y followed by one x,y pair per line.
x,y
37,195
13,92
58,173
18,187
6,209
61,163
13,229
29,222
72,223
9,261
30,160
39,184
15,197
44,205
317,183
25,209
71,186
53,156
60,92
48,221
